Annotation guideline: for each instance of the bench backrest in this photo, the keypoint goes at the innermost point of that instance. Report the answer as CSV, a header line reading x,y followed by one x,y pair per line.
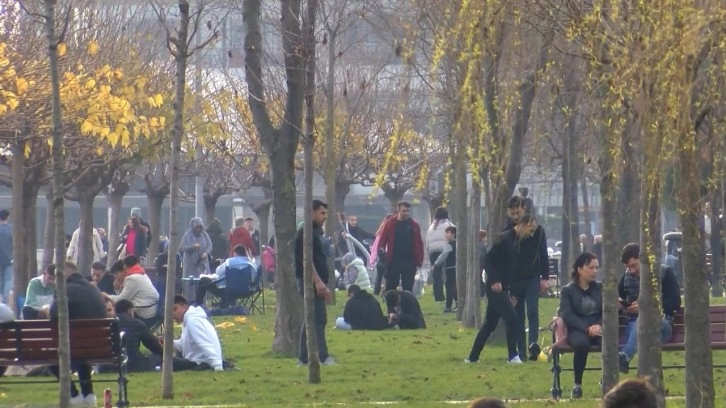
x,y
717,317
36,341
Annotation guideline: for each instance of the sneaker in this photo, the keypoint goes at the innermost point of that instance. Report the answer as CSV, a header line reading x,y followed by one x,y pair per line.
x,y
448,310
90,400
577,393
301,364
623,362
515,360
328,362
467,361
78,400
534,351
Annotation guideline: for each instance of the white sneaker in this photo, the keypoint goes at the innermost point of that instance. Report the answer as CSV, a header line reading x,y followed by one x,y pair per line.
x,y
328,362
78,400
515,360
90,400
467,361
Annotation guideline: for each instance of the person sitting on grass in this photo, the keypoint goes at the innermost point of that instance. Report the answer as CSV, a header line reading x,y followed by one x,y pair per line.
x,y
135,334
631,394
39,295
198,345
137,288
362,312
404,310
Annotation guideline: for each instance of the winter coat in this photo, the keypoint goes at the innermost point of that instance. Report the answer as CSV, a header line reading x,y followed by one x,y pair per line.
x,y
240,236
139,290
141,243
84,300
199,341
388,236
219,242
357,274
435,239
97,246
194,263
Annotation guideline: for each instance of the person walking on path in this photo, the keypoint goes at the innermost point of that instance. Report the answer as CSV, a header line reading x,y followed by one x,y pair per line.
x,y
403,246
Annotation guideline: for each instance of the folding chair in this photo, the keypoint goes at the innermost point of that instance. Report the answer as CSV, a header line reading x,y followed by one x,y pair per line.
x,y
243,286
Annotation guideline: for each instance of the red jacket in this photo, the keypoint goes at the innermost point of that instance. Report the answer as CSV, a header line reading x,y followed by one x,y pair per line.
x,y
388,237
240,236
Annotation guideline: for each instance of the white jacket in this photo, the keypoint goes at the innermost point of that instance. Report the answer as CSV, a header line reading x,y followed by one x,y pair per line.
x,y
139,290
72,252
199,342
435,240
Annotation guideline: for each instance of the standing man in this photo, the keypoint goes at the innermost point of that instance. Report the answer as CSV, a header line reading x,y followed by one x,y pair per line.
x,y
403,246
320,280
6,256
250,225
239,236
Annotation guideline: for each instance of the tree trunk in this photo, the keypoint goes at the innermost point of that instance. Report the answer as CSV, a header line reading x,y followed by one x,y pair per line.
x,y
181,55
85,235
610,169
472,307
331,154
210,206
115,201
715,198
263,214
156,202
462,221
49,237
650,363
341,192
628,196
570,235
20,269
699,359
586,213
394,196
58,165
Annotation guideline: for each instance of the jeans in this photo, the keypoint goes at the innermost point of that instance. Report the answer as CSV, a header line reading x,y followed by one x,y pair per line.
x,y
631,345
321,319
84,377
341,324
531,302
438,275
6,281
498,306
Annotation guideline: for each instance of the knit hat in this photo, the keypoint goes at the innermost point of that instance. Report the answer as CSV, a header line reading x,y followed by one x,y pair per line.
x,y
348,258
136,211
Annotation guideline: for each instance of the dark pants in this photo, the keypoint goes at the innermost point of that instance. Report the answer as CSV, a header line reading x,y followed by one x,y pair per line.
x,y
30,313
205,285
84,377
182,364
401,271
530,300
438,275
321,319
580,343
450,287
381,271
498,306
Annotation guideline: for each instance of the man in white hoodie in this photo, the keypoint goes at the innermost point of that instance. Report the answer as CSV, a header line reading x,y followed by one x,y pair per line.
x,y
198,345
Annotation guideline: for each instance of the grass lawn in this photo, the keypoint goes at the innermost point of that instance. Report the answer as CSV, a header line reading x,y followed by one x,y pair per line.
x,y
414,368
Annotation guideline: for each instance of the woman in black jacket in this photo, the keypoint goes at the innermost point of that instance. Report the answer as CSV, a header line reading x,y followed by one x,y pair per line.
x,y
581,310
502,284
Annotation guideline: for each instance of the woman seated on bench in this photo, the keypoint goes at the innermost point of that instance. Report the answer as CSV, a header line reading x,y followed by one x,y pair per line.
x,y
581,310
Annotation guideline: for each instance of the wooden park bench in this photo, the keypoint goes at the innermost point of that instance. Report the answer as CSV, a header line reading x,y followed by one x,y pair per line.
x,y
717,315
35,342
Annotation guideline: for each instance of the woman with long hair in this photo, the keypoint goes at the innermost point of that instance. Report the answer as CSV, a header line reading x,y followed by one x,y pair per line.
x,y
581,310
435,243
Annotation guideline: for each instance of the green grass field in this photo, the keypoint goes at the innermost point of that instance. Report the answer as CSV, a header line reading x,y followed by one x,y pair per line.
x,y
413,368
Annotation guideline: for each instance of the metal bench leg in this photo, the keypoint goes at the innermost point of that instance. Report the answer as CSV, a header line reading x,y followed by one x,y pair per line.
x,y
556,370
123,400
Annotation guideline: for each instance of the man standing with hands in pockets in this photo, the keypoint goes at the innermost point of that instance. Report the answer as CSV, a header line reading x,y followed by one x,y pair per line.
x,y
320,280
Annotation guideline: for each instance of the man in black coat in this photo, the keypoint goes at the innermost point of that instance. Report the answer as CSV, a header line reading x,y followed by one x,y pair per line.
x,y
84,302
362,312
102,279
404,310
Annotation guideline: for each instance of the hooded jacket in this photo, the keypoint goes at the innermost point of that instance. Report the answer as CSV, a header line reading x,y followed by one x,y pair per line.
x,y
219,242
356,272
194,263
199,342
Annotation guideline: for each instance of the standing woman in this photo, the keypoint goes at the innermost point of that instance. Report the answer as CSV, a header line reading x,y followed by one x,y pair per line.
x,y
581,310
498,263
133,238
196,247
435,243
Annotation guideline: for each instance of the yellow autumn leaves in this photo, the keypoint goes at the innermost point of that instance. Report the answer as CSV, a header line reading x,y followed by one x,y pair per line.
x,y
102,103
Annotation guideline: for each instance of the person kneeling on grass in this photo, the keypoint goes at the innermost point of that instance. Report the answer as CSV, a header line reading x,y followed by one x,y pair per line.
x,y
135,334
404,310
199,344
362,312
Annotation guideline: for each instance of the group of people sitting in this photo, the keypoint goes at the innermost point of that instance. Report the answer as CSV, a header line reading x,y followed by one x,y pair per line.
x,y
127,293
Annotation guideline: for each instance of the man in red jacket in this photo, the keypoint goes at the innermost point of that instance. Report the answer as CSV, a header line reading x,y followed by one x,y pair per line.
x,y
401,240
239,235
